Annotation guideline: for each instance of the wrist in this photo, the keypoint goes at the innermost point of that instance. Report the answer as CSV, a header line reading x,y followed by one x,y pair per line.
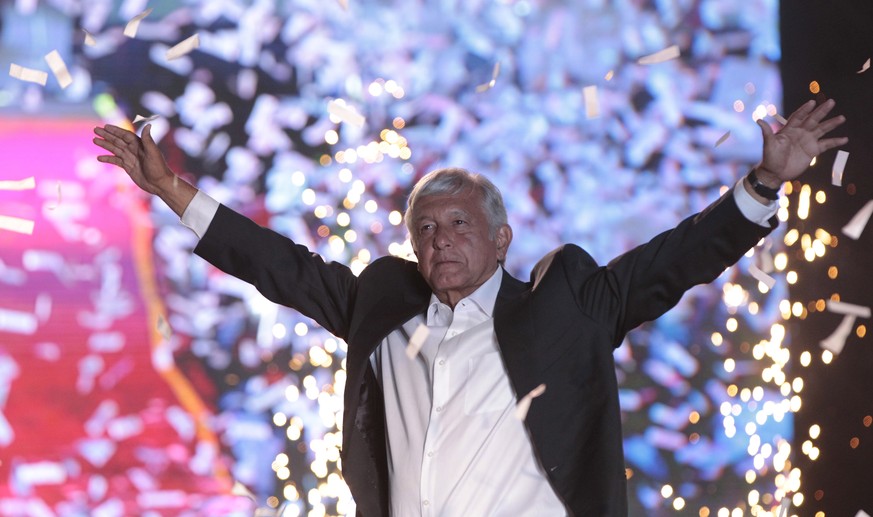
x,y
764,183
766,178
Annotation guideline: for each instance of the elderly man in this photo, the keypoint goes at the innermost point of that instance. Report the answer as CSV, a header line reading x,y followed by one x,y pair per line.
x,y
436,435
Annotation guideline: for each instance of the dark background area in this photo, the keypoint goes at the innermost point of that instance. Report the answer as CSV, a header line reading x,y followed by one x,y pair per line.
x,y
828,43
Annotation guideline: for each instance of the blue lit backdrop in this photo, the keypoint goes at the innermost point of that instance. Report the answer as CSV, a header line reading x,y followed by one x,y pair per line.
x,y
492,86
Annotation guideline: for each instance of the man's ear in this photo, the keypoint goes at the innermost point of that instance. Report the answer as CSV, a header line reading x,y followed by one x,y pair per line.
x,y
503,239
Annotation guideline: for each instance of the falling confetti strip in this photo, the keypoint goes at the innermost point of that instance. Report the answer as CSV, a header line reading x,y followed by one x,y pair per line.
x,y
838,307
183,47
15,224
837,341
22,184
761,276
523,405
89,39
139,118
490,84
59,68
660,56
416,341
27,74
838,167
345,113
133,25
856,226
592,103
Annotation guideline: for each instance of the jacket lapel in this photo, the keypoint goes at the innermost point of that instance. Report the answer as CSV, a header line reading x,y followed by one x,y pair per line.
x,y
514,328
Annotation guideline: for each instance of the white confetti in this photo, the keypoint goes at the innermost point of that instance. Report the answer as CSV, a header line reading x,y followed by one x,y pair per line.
x,y
761,276
523,405
765,257
345,113
862,513
865,66
838,307
416,341
59,68
490,84
785,507
19,322
89,39
856,226
164,328
722,138
836,341
344,4
133,25
59,198
241,490
660,56
28,74
139,118
183,47
839,166
609,75
24,184
779,118
592,104
40,473
15,224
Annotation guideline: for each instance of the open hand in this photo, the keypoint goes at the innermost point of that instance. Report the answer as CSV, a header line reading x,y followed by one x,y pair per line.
x,y
143,162
788,153
139,157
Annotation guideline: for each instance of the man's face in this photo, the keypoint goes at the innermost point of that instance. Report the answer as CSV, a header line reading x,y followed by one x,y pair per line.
x,y
456,254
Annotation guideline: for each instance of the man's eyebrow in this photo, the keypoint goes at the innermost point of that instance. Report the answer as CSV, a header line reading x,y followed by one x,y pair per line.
x,y
455,212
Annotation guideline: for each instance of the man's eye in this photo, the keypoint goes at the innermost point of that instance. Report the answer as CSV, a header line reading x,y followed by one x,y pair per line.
x,y
426,227
460,221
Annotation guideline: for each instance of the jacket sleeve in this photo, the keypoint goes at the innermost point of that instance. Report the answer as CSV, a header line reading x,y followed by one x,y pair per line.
x,y
283,271
647,281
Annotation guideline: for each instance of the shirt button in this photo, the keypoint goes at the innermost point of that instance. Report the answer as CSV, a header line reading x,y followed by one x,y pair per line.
x,y
430,454
425,502
442,362
439,408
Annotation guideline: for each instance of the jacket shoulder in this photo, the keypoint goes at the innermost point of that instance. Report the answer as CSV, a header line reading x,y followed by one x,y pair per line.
x,y
574,260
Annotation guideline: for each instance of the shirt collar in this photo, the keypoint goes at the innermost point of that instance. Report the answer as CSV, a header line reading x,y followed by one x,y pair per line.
x,y
484,297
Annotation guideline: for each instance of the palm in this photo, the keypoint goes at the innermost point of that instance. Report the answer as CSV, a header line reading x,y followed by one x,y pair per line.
x,y
139,157
787,154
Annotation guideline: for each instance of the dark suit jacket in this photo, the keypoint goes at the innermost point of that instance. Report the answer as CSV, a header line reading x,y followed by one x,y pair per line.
x,y
559,328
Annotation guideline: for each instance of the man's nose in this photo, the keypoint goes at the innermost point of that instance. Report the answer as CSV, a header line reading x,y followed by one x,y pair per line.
x,y
442,238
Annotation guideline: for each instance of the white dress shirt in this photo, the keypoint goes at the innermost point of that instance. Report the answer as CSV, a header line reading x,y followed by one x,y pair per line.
x,y
455,446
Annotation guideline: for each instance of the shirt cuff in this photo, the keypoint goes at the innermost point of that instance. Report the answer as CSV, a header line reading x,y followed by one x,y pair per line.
x,y
753,209
199,213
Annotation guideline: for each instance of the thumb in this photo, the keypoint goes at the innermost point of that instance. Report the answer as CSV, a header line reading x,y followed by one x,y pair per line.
x,y
147,137
766,130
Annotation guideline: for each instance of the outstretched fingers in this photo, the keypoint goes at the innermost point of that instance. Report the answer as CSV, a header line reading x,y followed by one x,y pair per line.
x,y
818,114
122,134
114,160
830,124
827,144
801,114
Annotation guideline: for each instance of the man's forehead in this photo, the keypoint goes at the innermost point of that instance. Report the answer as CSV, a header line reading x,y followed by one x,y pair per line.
x,y
445,207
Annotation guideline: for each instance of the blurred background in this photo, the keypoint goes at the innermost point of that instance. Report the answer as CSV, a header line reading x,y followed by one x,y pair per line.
x,y
135,379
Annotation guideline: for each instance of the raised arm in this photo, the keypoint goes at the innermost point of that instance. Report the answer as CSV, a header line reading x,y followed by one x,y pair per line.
x,y
650,279
143,162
